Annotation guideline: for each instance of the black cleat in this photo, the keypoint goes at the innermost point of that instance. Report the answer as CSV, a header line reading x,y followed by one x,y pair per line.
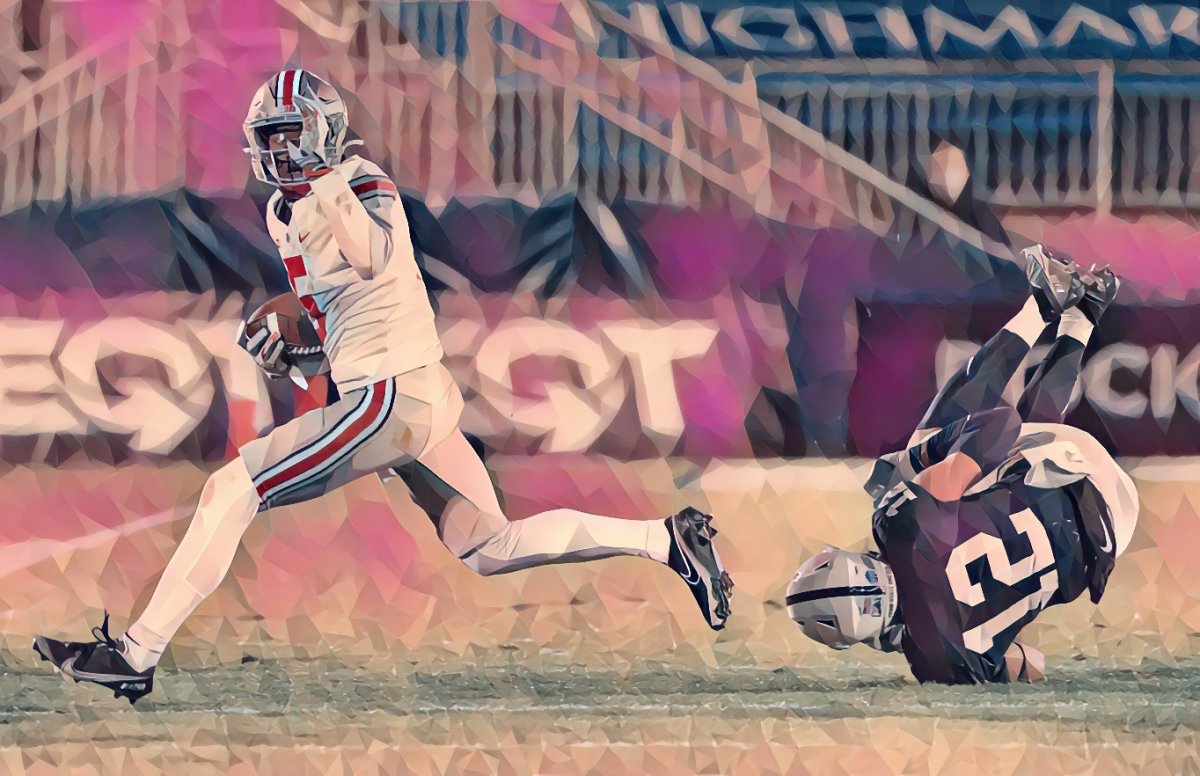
x,y
694,558
100,661
1099,290
1056,283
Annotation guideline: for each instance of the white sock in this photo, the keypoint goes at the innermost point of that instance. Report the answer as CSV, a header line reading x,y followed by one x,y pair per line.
x,y
1074,324
658,540
140,657
1027,323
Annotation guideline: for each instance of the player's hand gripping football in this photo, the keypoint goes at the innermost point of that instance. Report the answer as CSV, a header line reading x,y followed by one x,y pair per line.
x,y
267,347
310,153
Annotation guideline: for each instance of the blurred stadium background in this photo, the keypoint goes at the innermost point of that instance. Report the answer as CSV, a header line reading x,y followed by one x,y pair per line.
x,y
738,245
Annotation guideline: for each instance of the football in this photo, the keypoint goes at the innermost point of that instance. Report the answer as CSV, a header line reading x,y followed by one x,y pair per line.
x,y
299,334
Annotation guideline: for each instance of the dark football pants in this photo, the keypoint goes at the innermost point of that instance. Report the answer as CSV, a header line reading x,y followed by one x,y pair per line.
x,y
979,384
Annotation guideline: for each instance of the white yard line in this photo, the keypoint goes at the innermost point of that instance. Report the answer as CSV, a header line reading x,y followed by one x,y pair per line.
x,y
17,557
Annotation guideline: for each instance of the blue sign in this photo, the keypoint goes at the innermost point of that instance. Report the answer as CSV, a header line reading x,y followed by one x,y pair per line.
x,y
930,30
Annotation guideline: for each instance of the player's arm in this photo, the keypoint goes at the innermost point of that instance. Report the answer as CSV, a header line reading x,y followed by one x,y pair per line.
x,y
352,220
1024,663
965,450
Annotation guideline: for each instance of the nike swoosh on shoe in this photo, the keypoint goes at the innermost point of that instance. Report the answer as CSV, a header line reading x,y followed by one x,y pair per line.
x,y
68,668
692,577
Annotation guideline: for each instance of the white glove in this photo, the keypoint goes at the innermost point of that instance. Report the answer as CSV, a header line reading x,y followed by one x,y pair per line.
x,y
310,154
267,347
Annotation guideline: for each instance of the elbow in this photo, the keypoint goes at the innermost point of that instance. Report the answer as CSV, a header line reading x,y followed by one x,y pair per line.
x,y
375,255
369,262
949,479
1024,663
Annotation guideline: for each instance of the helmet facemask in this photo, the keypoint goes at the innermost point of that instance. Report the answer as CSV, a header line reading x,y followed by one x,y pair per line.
x,y
275,164
274,109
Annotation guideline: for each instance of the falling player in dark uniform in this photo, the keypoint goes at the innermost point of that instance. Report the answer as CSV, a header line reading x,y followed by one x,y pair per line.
x,y
992,513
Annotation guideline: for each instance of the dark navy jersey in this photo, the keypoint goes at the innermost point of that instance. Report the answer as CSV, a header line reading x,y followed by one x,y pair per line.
x,y
970,574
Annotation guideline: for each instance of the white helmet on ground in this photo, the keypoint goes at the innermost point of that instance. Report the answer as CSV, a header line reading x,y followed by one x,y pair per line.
x,y
274,108
840,598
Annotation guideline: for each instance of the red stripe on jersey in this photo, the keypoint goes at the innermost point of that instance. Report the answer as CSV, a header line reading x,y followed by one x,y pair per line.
x,y
378,184
314,312
295,269
348,436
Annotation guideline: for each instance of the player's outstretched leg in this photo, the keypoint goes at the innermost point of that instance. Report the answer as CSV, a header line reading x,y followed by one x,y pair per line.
x,y
450,483
979,384
365,430
1047,396
125,665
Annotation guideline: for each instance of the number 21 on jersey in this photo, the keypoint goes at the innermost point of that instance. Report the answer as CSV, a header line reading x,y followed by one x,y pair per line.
x,y
980,638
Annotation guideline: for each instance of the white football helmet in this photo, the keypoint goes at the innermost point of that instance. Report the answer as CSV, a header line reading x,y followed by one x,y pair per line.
x,y
273,109
840,598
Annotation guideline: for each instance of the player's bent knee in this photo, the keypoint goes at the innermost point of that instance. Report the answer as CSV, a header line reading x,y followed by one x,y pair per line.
x,y
229,493
495,555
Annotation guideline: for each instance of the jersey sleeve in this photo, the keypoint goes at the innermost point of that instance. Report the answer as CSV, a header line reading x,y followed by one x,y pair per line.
x,y
354,213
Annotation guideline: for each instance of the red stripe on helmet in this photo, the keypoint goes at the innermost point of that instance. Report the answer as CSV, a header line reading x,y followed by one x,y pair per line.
x,y
288,77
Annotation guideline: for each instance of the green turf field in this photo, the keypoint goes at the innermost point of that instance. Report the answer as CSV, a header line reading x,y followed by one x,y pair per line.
x,y
324,716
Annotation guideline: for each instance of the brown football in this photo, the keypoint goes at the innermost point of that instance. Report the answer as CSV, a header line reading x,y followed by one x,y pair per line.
x,y
294,323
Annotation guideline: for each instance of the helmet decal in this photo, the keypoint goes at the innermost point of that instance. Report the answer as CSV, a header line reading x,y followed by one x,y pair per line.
x,y
833,592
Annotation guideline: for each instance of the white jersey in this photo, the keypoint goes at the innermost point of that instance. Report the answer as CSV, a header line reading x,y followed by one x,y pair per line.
x,y
350,259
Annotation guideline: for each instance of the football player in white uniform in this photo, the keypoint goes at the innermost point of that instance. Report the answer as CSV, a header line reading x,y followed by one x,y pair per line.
x,y
344,240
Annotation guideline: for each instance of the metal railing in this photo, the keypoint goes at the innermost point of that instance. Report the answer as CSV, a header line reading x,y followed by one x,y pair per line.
x,y
1157,131
85,129
93,123
431,70
1027,143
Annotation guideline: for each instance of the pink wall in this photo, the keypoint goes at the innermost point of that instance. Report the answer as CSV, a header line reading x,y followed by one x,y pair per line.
x,y
1158,254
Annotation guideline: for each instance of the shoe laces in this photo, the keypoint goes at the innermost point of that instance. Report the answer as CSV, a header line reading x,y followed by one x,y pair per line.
x,y
102,636
702,524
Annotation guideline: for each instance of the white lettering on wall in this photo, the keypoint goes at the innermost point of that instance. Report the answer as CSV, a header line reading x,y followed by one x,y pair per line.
x,y
1174,382
810,30
152,380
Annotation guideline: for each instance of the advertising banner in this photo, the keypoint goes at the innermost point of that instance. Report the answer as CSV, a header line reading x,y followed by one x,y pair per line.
x,y
925,29
1138,393
159,374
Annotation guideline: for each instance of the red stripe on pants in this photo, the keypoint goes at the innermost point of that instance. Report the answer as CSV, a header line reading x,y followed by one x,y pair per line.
x,y
348,436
